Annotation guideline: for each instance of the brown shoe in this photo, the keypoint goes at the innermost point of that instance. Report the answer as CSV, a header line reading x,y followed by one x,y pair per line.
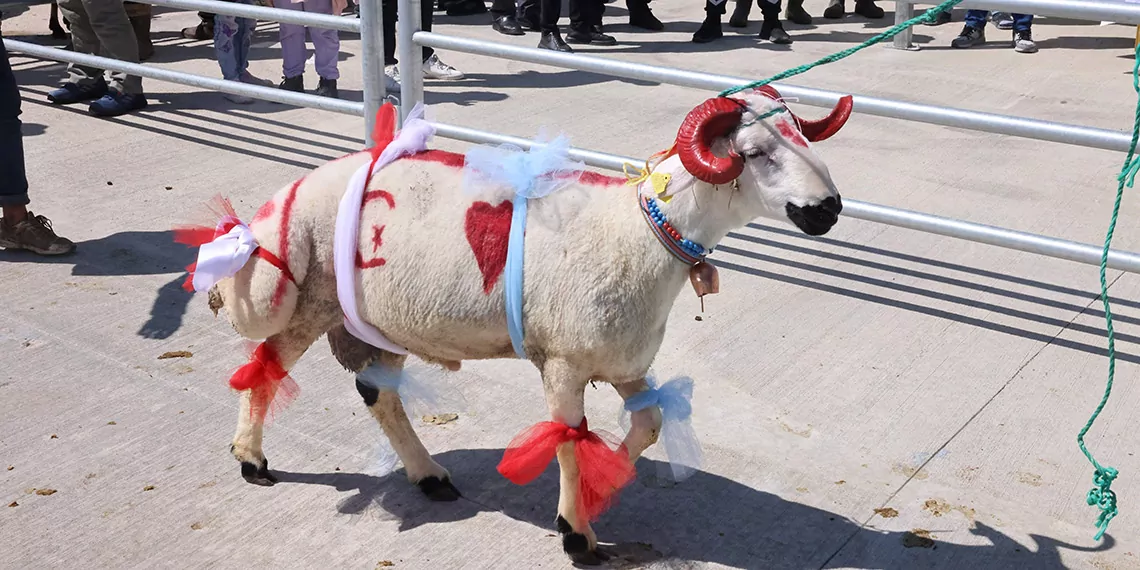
x,y
34,234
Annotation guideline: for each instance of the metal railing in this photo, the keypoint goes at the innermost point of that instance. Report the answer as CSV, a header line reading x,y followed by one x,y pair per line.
x,y
412,88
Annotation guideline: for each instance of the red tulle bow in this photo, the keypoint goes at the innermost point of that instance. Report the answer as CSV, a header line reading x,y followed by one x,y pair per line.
x,y
268,381
602,470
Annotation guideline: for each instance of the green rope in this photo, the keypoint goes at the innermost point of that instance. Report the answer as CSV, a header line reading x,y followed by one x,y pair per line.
x,y
1101,495
927,16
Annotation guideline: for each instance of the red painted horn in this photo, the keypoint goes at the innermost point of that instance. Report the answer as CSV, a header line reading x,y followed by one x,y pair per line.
x,y
713,119
822,129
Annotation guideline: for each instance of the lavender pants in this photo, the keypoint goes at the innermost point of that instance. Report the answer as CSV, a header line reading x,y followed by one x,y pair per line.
x,y
326,43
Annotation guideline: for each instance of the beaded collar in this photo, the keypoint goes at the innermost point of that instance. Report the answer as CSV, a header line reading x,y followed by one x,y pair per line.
x,y
688,251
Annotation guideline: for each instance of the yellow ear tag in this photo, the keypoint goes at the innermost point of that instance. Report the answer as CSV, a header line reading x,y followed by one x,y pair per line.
x,y
660,182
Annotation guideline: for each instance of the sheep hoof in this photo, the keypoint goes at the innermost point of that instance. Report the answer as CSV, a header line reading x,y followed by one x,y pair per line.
x,y
577,546
438,489
258,475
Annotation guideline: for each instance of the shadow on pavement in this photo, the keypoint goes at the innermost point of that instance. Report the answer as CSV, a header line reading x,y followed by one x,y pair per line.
x,y
707,518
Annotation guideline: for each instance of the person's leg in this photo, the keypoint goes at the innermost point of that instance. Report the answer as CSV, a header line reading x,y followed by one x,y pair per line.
x,y
326,43
974,32
292,38
586,23
1023,33
529,13
117,40
710,30
83,83
772,29
504,19
641,16
227,46
19,228
140,16
426,15
549,11
388,9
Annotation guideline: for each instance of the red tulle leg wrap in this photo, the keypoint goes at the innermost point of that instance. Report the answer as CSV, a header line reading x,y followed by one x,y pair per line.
x,y
602,469
271,388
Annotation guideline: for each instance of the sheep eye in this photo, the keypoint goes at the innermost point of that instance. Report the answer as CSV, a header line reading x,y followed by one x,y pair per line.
x,y
754,153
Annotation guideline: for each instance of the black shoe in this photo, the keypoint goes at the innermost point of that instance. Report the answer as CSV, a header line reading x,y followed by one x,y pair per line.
x,y
739,17
295,84
592,37
74,93
114,104
528,24
942,17
834,10
640,16
775,35
508,26
467,8
327,88
709,31
868,9
553,41
796,14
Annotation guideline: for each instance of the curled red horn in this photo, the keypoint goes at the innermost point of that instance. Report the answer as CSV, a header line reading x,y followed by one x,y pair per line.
x,y
816,131
713,119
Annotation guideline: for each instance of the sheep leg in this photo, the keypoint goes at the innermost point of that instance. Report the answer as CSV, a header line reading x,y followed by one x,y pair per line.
x,y
384,403
565,389
645,425
246,446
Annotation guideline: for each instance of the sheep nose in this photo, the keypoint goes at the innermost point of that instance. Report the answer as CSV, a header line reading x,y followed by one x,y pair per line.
x,y
826,212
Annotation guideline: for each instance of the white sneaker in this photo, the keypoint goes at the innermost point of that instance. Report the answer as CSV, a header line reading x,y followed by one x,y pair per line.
x,y
239,99
436,69
247,77
392,79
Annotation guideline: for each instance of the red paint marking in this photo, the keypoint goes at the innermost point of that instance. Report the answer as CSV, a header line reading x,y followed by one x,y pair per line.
x,y
264,211
377,237
488,230
380,194
283,241
440,156
376,262
791,134
594,179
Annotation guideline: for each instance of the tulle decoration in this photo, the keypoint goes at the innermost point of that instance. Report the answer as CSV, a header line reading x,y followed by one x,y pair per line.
x,y
419,398
538,172
603,468
674,398
271,388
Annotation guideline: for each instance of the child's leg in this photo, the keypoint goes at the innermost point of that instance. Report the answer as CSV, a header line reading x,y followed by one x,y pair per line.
x,y
326,43
227,47
243,39
292,37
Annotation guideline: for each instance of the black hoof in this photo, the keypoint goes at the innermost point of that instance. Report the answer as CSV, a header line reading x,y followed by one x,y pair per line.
x,y
439,490
258,475
577,546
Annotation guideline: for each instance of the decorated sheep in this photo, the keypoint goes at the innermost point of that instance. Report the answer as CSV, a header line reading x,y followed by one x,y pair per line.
x,y
505,254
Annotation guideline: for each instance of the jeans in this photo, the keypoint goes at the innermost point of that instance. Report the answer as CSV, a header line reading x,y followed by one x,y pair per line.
x,y
326,43
13,180
977,19
231,44
388,7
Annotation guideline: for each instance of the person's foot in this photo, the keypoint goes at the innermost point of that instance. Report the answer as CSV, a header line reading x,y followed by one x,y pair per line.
x,y
508,26
739,18
834,10
202,31
969,37
1003,20
114,104
247,77
1023,42
592,37
436,69
868,9
796,14
528,24
641,16
392,79
33,233
239,99
709,31
775,35
553,41
327,88
72,93
295,84
940,18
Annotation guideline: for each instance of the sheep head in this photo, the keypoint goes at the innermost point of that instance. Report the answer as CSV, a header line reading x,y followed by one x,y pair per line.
x,y
771,159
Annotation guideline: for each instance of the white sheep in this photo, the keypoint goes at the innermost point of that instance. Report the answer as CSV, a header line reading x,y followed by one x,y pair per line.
x,y
600,278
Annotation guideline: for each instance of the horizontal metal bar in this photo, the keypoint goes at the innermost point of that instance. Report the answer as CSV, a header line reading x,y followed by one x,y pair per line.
x,y
151,72
327,21
1089,10
945,116
991,235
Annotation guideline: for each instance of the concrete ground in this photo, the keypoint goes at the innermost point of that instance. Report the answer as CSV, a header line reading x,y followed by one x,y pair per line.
x,y
878,398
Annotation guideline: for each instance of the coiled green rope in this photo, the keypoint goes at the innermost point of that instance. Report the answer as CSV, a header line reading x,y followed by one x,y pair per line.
x,y
1101,495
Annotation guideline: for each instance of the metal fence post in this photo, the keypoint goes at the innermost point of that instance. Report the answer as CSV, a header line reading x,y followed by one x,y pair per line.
x,y
372,61
411,56
903,12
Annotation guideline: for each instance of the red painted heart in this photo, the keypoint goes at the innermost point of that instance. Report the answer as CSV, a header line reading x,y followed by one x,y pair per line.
x,y
488,230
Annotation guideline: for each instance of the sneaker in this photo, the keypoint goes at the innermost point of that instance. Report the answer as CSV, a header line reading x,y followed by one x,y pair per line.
x,y
327,88
1023,42
940,18
1003,20
34,234
436,69
392,79
239,99
72,93
969,37
114,104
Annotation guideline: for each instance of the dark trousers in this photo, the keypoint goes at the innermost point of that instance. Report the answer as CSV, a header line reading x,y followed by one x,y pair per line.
x,y
427,8
584,14
500,8
13,180
769,10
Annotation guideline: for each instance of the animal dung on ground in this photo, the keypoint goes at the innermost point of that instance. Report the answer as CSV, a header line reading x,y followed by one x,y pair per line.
x,y
11,467
887,512
196,526
13,504
175,354
148,488
385,564
112,423
439,419
45,492
53,436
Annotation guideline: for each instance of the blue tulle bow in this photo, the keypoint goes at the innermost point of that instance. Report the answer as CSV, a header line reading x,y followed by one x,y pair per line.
x,y
674,399
534,173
